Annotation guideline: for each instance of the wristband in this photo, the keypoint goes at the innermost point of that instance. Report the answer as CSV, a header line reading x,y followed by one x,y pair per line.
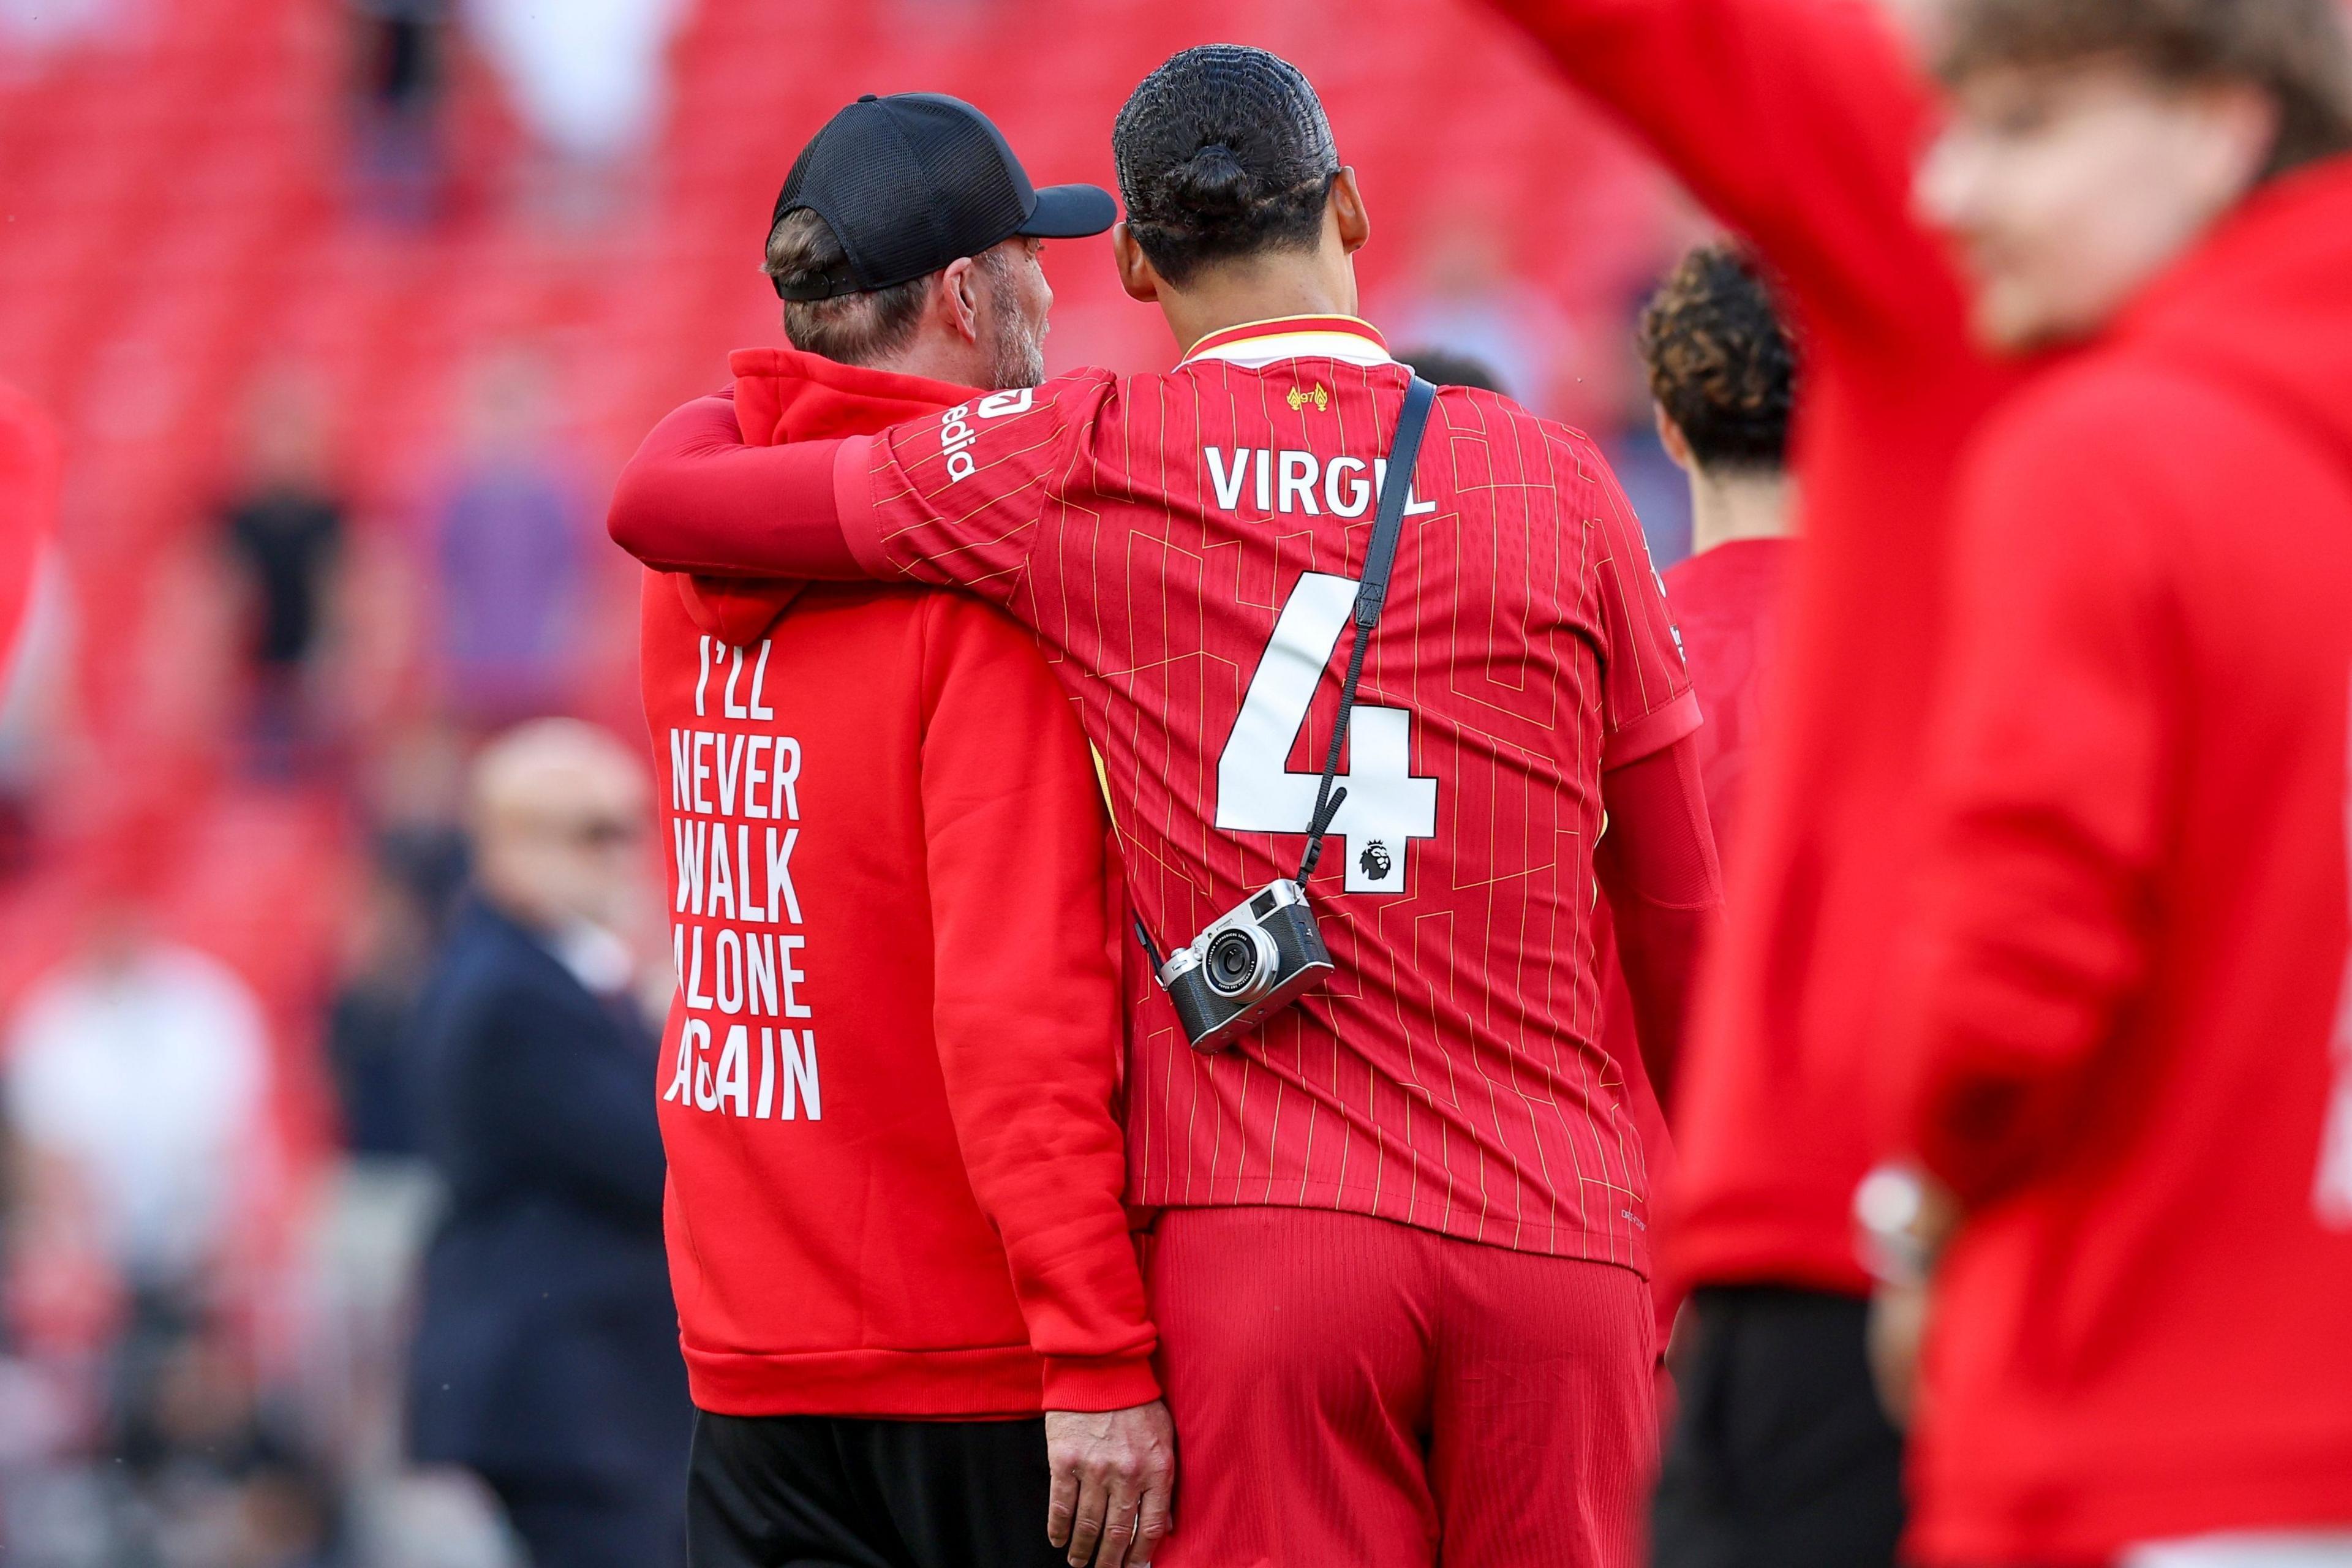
x,y
1891,1232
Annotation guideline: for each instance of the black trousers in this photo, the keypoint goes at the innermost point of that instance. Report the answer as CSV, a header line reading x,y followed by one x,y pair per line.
x,y
823,1491
1781,1457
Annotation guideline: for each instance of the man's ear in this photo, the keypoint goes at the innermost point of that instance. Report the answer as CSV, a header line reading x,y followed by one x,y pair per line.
x,y
957,299
1347,211
1671,436
1136,273
2246,124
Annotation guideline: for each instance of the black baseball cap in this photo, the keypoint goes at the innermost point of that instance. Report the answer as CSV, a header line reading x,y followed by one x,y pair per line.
x,y
912,182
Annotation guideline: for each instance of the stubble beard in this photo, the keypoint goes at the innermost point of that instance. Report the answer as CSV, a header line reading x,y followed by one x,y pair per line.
x,y
1018,358
1020,354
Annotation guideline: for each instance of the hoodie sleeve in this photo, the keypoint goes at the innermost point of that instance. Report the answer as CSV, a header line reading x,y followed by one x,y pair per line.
x,y
2047,802
1797,122
1027,1009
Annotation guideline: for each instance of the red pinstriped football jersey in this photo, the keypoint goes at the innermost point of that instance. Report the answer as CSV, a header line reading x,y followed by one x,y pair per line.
x,y
1185,548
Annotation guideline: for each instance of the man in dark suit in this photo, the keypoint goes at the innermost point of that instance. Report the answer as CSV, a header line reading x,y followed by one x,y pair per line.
x,y
546,1360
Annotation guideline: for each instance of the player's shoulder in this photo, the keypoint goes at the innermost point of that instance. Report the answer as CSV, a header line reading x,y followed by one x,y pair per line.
x,y
1012,433
1741,575
1073,396
1074,392
1476,413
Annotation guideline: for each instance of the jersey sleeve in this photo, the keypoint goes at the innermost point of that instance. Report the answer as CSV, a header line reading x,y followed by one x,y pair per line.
x,y
960,498
1647,700
1657,863
697,498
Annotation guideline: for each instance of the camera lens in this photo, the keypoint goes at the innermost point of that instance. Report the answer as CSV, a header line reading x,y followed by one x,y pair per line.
x,y
1234,961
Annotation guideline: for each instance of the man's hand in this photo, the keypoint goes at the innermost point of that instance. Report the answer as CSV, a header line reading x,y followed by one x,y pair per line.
x,y
1907,1221
1899,1324
1113,1473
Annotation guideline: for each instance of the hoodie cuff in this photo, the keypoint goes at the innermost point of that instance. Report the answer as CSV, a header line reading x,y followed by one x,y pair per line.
x,y
852,503
1099,1383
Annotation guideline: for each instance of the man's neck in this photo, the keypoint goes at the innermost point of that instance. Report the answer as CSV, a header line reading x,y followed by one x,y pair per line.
x,y
1236,293
1726,507
925,355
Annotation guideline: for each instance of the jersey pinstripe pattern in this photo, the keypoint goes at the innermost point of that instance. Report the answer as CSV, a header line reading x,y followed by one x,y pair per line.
x,y
1450,1076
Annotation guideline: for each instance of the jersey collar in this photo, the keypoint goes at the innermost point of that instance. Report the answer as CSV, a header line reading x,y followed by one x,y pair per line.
x,y
1255,344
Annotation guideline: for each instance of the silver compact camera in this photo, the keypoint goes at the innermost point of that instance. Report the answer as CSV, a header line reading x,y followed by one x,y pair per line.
x,y
1262,955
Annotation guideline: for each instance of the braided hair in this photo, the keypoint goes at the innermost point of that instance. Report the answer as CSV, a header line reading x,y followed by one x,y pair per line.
x,y
1225,151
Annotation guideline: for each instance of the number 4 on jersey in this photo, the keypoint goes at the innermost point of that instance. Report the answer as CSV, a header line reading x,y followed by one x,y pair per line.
x,y
1387,807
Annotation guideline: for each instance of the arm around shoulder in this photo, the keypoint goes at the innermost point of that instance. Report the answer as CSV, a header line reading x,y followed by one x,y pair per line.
x,y
697,498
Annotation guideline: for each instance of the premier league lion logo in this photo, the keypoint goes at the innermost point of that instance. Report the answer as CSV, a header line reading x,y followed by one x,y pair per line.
x,y
1375,861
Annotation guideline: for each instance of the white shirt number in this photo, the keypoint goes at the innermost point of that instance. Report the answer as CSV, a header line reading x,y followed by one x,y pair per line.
x,y
1387,807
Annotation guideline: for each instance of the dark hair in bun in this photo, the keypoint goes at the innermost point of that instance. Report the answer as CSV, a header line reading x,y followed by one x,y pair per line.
x,y
1223,151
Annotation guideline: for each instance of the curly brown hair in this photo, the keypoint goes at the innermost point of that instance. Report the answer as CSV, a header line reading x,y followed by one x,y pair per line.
x,y
1721,363
2297,51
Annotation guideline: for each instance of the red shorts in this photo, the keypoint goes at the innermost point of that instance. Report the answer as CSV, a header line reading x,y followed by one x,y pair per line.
x,y
1351,1393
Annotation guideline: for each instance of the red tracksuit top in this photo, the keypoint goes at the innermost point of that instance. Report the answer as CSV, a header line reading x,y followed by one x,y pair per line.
x,y
2130,994
1798,122
888,1079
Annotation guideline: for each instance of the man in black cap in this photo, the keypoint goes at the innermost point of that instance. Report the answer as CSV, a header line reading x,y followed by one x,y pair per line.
x,y
907,233
909,1305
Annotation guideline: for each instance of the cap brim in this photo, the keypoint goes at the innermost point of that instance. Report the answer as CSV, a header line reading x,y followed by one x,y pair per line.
x,y
1070,212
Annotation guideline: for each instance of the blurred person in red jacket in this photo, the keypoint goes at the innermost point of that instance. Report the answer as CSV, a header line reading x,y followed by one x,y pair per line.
x,y
911,1308
1399,1270
1722,377
1799,122
2125,1041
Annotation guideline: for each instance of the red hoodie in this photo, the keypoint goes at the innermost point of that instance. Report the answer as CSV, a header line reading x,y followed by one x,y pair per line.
x,y
2132,1005
888,1086
1798,124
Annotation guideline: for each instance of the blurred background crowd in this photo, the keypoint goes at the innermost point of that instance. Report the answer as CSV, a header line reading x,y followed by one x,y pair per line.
x,y
346,311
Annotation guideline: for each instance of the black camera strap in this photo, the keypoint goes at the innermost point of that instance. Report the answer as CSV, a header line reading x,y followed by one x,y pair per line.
x,y
1372,593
